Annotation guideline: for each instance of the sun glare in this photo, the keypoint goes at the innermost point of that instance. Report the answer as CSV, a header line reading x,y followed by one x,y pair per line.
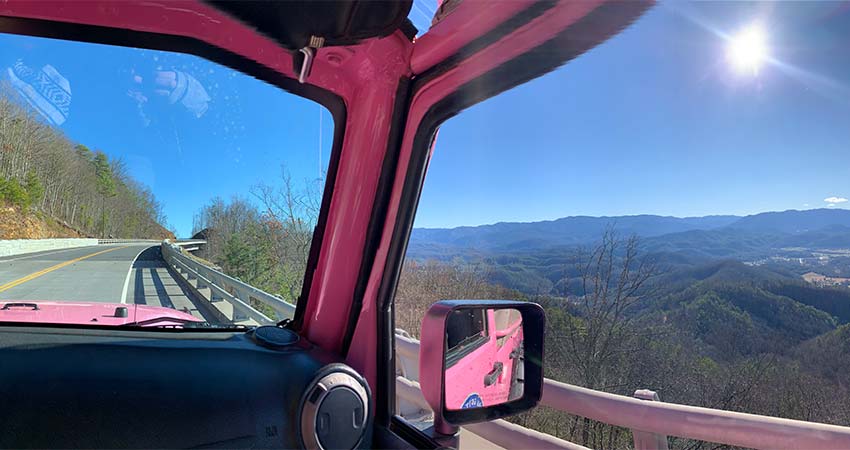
x,y
748,50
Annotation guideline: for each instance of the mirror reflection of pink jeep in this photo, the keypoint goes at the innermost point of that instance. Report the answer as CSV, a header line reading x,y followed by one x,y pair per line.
x,y
483,357
480,360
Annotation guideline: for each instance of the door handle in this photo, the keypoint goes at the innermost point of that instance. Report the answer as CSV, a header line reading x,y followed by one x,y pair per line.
x,y
491,377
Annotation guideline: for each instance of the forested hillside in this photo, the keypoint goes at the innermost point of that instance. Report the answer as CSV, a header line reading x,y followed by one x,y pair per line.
x,y
713,333
542,264
49,182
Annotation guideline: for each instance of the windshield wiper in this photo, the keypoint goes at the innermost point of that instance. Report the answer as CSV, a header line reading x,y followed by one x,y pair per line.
x,y
152,324
218,326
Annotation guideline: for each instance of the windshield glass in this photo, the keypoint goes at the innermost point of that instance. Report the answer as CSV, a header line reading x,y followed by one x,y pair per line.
x,y
677,201
150,187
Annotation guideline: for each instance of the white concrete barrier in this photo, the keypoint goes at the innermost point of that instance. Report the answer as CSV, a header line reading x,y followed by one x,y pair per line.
x,y
21,246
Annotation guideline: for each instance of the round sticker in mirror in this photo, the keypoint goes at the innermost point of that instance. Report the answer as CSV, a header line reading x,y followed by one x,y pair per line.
x,y
473,401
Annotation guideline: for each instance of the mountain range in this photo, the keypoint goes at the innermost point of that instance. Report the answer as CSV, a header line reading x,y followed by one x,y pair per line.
x,y
729,292
538,257
792,228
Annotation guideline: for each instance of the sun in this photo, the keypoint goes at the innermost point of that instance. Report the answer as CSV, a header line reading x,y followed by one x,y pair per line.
x,y
747,50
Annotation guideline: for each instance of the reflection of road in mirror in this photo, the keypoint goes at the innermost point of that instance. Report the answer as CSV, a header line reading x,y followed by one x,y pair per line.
x,y
484,357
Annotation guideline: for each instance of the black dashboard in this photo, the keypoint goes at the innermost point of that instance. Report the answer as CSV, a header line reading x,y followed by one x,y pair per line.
x,y
109,388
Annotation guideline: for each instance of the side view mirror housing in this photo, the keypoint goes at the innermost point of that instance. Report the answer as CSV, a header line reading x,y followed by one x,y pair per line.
x,y
480,360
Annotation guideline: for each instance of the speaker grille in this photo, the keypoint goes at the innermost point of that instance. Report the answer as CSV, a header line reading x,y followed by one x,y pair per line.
x,y
335,413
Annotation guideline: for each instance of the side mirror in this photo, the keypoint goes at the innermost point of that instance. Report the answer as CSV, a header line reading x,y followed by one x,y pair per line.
x,y
480,360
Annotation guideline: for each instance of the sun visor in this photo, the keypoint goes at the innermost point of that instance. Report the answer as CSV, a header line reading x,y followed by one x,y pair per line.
x,y
293,22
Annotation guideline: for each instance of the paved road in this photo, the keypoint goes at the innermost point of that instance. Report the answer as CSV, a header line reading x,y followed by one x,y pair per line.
x,y
120,273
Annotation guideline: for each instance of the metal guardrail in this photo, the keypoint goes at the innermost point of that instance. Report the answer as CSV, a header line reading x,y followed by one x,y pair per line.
x,y
128,241
231,297
650,420
188,241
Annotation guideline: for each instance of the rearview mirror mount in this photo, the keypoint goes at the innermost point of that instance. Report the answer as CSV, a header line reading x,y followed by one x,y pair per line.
x,y
480,360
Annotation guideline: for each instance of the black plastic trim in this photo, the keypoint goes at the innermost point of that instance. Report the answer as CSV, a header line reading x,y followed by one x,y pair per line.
x,y
412,435
276,20
408,29
384,438
182,44
474,46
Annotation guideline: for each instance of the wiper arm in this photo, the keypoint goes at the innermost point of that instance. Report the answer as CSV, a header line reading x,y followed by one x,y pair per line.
x,y
171,322
218,326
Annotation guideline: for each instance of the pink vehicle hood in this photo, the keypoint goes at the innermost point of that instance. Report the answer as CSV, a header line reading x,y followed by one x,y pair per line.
x,y
91,313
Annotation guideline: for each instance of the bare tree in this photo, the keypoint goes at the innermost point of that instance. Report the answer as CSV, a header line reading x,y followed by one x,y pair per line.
x,y
290,213
591,337
593,330
422,284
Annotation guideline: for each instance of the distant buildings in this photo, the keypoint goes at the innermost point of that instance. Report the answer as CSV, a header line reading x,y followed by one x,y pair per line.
x,y
825,281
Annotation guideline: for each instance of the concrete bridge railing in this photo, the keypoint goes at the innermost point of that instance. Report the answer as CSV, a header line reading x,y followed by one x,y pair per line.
x,y
235,301
650,420
10,247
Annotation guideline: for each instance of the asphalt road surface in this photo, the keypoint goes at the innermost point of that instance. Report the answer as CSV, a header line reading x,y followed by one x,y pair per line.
x,y
120,273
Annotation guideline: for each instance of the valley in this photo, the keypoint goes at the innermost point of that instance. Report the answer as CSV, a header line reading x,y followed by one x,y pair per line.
x,y
742,313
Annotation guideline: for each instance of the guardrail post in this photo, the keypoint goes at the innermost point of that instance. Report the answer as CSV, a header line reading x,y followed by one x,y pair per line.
x,y
236,301
644,440
238,316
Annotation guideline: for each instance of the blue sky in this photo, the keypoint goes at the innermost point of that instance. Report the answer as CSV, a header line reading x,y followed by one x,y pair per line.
x,y
653,121
185,154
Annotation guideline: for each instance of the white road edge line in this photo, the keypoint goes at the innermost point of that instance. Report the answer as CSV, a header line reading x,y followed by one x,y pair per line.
x,y
130,271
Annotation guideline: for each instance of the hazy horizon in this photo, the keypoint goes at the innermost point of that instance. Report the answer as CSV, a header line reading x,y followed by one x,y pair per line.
x,y
842,208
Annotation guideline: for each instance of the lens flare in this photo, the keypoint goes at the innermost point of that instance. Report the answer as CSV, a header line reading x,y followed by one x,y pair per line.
x,y
747,50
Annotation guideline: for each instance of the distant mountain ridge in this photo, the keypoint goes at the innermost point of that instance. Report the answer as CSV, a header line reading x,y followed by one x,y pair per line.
x,y
794,221
582,230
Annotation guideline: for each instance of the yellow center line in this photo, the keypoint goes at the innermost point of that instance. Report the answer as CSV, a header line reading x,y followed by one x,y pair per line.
x,y
35,275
